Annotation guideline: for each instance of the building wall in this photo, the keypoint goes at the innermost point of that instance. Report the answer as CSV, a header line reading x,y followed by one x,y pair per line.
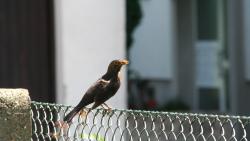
x,y
247,38
186,52
89,34
239,88
233,33
154,41
152,53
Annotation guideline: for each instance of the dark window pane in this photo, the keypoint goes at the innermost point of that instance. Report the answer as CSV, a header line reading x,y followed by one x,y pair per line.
x,y
207,19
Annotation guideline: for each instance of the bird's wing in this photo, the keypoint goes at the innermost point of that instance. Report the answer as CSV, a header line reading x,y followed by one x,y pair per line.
x,y
98,87
107,92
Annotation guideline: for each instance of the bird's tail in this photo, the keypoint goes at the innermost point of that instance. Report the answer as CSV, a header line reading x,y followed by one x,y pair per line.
x,y
68,118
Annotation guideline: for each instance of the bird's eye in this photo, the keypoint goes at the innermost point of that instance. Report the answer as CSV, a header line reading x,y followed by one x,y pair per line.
x,y
117,63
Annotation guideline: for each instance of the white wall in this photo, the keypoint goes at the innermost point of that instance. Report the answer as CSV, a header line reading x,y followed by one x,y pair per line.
x,y
153,48
89,34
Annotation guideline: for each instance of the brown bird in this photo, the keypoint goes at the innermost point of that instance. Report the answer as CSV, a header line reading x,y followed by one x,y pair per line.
x,y
103,89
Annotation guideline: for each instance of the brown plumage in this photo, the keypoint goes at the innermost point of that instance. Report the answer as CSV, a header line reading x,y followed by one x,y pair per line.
x,y
103,89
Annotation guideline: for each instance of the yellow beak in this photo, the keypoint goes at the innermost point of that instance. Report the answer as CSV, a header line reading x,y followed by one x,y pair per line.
x,y
124,61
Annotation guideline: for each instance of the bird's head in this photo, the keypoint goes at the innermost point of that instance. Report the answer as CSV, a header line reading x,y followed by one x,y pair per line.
x,y
119,62
115,66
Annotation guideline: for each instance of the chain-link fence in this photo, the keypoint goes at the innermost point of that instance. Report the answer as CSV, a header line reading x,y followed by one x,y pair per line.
x,y
129,125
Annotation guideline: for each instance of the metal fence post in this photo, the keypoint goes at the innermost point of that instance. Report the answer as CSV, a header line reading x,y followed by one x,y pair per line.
x,y
15,115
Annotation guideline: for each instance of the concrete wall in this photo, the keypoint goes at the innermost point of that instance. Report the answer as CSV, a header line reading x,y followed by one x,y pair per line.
x,y
89,34
15,115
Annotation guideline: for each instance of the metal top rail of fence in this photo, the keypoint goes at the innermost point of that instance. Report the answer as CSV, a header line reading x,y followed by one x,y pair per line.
x,y
132,125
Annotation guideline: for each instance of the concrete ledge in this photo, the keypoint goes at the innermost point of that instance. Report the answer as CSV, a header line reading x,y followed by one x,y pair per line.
x,y
15,115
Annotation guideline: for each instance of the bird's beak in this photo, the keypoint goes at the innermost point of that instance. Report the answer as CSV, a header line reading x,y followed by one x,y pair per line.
x,y
124,61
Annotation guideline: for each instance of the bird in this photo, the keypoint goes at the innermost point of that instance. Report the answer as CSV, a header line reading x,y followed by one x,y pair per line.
x,y
102,90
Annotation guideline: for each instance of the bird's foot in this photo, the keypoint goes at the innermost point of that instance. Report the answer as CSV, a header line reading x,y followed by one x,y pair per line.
x,y
107,111
83,113
54,135
63,126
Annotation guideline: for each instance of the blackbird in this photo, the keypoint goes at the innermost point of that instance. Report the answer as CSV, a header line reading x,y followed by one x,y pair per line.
x,y
103,89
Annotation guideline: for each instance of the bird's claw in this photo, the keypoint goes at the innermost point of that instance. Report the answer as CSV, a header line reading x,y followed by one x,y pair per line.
x,y
107,111
83,113
61,125
54,135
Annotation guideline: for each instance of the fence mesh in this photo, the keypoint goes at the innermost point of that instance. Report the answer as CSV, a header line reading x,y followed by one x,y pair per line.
x,y
130,125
